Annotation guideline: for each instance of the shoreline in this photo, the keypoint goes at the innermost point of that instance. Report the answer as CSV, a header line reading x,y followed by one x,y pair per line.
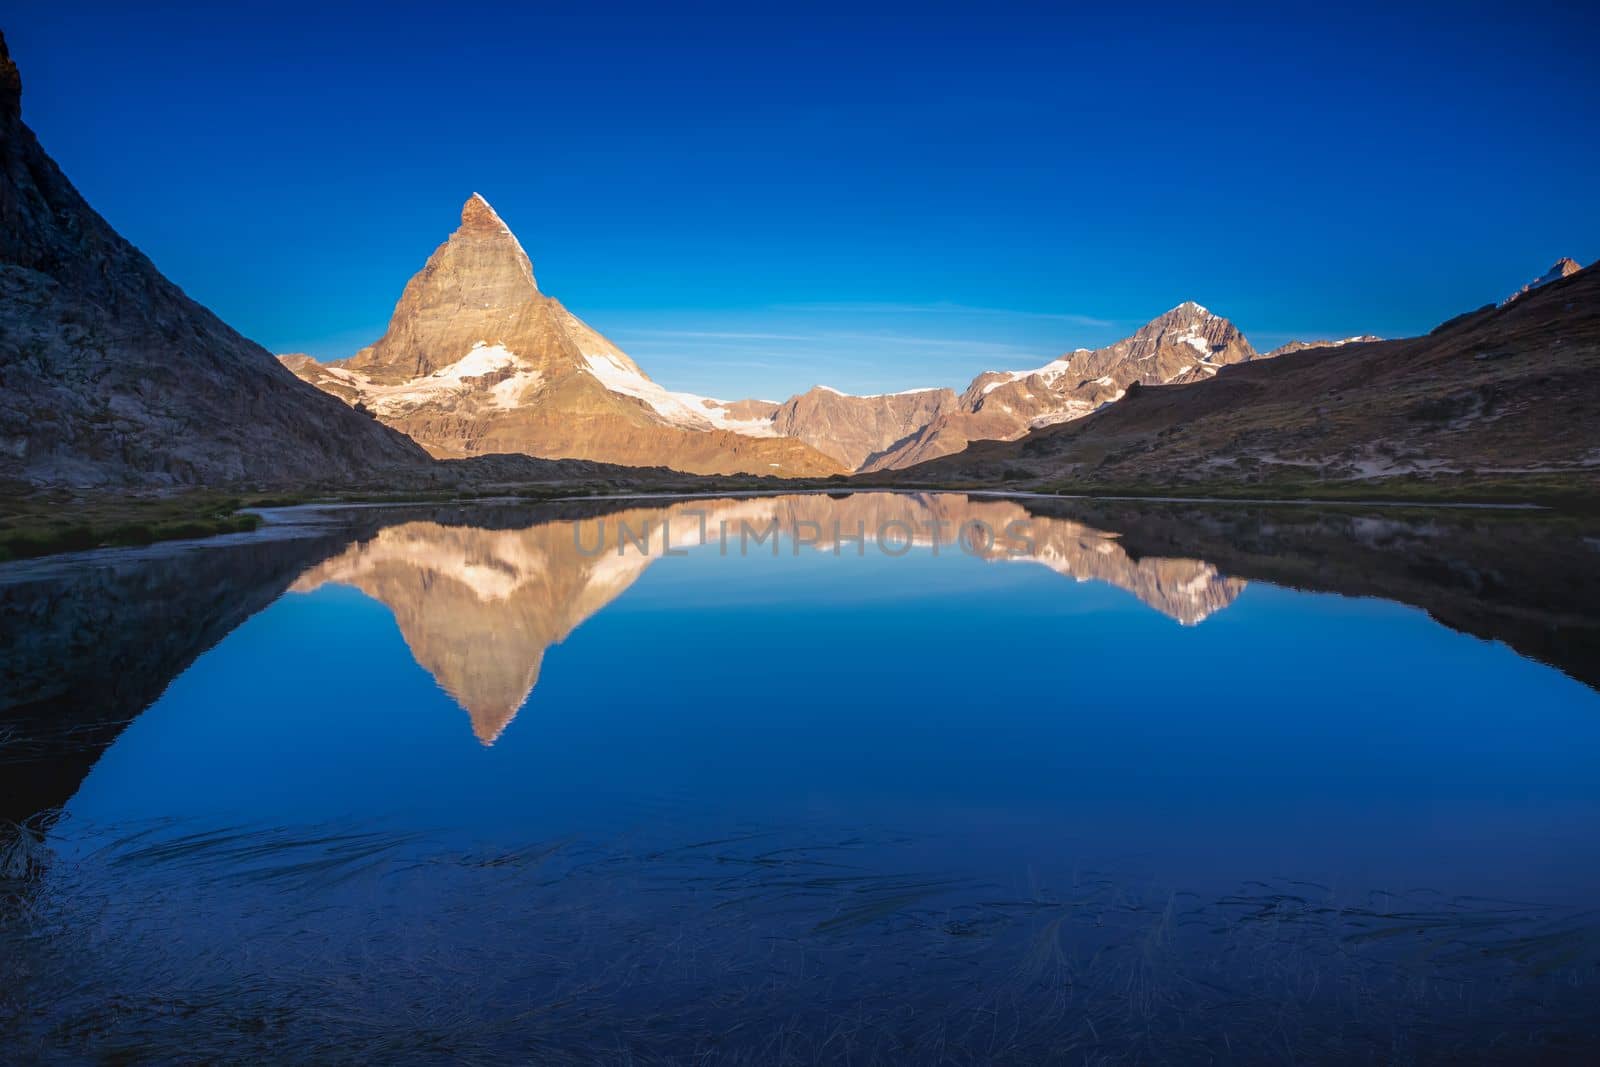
x,y
246,520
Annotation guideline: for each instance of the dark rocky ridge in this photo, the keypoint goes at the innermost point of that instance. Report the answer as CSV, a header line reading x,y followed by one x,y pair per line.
x,y
111,375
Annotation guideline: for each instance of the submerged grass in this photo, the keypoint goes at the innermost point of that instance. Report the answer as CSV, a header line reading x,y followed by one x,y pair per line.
x,y
330,944
36,522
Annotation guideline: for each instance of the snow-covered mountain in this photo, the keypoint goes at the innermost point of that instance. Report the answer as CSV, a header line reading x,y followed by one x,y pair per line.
x,y
477,360
1000,405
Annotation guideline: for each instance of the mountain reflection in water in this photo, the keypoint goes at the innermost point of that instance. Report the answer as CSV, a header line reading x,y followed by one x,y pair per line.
x,y
479,607
481,592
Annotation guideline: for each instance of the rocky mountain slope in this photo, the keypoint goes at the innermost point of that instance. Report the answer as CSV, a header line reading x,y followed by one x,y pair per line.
x,y
859,430
110,375
476,360
895,430
1508,390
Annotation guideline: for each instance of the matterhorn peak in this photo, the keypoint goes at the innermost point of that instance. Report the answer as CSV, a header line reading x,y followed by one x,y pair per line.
x,y
491,239
476,213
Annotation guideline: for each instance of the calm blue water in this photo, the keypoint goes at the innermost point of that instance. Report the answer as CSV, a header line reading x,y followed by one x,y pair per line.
x,y
471,787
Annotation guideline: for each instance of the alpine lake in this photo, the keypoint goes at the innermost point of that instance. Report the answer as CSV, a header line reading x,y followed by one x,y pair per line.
x,y
848,778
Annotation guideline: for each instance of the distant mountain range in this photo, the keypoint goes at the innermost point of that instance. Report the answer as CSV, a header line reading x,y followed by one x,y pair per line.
x,y
477,360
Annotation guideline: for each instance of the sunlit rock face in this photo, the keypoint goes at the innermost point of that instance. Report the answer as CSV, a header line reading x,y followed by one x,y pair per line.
x,y
479,607
477,360
858,430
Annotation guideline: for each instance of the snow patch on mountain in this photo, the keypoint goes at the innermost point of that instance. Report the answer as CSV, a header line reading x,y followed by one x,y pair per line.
x,y
688,410
1193,338
875,396
466,375
1049,372
716,412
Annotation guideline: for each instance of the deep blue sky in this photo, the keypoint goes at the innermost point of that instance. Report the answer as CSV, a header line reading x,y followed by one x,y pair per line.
x,y
750,205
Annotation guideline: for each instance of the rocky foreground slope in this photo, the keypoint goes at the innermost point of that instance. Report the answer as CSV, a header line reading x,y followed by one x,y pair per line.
x,y
1506,390
110,375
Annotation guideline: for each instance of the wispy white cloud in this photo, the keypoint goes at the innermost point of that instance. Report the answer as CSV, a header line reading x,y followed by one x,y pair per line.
x,y
888,338
866,347
943,308
822,343
722,335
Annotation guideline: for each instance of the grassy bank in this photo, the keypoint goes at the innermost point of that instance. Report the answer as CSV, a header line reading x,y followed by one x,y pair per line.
x,y
42,524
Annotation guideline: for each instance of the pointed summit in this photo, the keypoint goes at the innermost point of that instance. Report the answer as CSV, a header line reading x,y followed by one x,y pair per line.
x,y
1193,330
476,214
481,223
477,208
1564,267
476,288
